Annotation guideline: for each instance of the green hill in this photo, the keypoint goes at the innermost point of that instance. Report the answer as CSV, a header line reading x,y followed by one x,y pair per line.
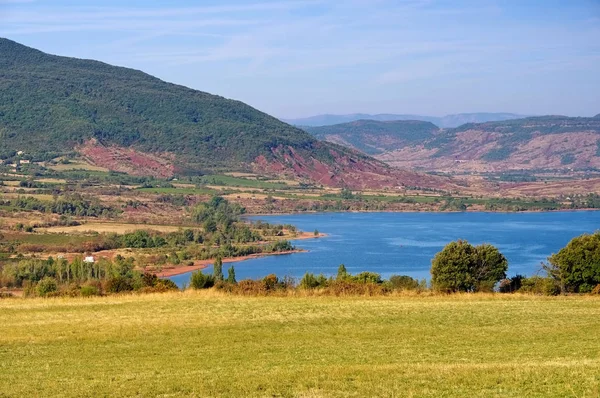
x,y
129,121
50,104
375,137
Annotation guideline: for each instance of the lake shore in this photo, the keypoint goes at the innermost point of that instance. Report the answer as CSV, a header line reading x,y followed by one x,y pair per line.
x,y
202,264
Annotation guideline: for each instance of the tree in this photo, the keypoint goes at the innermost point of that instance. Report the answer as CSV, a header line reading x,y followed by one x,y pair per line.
x,y
463,267
231,275
218,269
342,273
576,267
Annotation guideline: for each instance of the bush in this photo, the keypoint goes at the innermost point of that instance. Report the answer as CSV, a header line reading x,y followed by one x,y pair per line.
x,y
403,282
511,285
310,281
367,277
89,290
199,280
539,285
119,284
46,286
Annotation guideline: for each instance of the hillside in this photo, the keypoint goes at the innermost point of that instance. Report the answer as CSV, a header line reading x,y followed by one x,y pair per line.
x,y
548,142
444,121
128,121
375,137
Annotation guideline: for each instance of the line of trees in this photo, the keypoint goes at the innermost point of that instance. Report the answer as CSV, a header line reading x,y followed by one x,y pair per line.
x,y
74,205
53,277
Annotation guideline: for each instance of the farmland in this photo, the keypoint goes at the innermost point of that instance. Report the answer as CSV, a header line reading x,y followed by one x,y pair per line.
x,y
206,343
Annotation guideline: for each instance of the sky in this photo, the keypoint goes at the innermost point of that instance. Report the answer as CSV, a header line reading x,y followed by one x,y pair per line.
x,y
299,58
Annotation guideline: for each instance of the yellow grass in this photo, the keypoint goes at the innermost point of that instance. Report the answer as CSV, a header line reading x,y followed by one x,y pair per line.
x,y
52,180
111,227
77,166
39,196
209,344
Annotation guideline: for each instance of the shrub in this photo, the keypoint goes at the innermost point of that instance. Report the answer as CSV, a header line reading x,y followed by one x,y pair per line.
x,y
89,290
199,280
403,282
46,286
511,285
119,284
539,285
271,282
310,281
346,287
165,284
367,277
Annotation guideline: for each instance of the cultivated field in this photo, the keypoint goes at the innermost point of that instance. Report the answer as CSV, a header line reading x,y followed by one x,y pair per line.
x,y
208,344
108,227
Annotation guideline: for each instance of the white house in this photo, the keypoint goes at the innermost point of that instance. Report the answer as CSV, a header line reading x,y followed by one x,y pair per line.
x,y
89,260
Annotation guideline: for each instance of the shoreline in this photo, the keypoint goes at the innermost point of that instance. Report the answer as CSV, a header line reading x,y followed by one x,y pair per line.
x,y
202,264
417,211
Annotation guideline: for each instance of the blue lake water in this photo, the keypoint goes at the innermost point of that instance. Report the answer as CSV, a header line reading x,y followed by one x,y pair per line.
x,y
405,243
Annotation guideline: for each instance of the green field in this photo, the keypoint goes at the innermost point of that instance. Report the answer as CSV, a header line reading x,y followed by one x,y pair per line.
x,y
208,344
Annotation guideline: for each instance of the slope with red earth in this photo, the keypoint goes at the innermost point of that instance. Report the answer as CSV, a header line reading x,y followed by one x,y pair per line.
x,y
345,170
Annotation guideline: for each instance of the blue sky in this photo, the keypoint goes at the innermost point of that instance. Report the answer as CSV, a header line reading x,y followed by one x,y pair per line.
x,y
302,57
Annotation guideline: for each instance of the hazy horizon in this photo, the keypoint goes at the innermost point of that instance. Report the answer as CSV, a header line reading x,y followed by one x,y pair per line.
x,y
301,58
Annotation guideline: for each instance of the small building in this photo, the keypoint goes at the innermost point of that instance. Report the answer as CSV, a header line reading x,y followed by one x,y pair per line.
x,y
89,260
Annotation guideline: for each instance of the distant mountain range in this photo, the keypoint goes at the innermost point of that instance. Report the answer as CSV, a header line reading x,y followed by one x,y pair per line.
x,y
128,121
374,137
444,121
534,143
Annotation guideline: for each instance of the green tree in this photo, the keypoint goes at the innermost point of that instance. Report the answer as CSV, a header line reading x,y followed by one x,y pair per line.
x,y
231,275
218,269
462,267
342,273
576,267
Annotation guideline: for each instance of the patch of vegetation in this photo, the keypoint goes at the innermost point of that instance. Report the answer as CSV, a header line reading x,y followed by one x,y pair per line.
x,y
498,154
75,205
567,159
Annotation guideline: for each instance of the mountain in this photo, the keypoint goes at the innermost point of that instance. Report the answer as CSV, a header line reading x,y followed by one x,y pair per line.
x,y
445,121
129,121
375,137
536,143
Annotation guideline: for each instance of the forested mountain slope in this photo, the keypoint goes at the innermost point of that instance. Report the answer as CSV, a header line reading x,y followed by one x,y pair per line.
x,y
129,121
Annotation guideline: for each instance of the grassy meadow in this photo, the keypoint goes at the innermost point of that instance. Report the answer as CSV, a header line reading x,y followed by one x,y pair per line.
x,y
211,344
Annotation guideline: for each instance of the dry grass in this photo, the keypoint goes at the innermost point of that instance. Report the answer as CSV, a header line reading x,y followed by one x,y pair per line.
x,y
211,344
40,196
52,180
111,227
77,166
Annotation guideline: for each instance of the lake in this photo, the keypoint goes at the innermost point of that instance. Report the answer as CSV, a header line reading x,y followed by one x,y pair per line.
x,y
405,243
